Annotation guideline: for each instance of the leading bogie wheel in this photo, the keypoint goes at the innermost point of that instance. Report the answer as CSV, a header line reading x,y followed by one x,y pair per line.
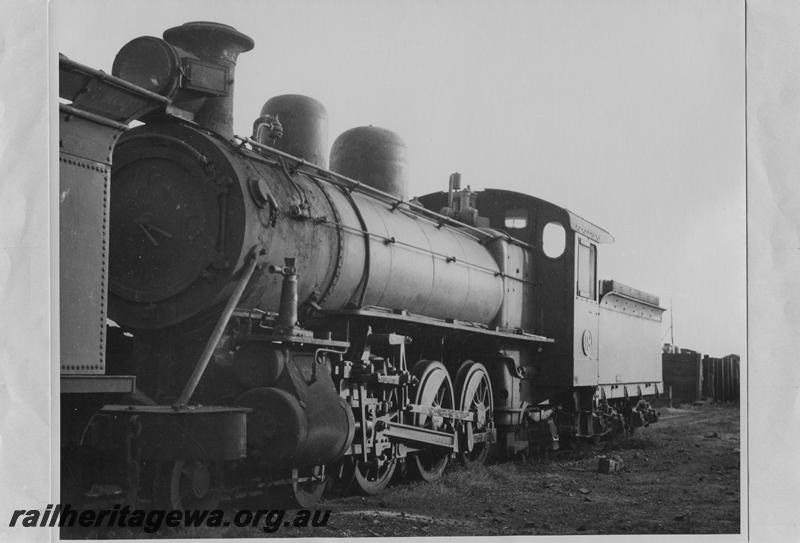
x,y
435,389
189,484
304,491
475,395
373,477
308,486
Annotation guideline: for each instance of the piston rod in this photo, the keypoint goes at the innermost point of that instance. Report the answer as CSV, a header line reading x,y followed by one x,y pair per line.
x,y
213,340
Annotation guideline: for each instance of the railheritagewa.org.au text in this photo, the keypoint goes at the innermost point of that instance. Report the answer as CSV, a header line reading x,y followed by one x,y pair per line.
x,y
153,520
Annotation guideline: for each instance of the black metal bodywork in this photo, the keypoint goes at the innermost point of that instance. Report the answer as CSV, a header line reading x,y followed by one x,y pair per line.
x,y
397,332
550,301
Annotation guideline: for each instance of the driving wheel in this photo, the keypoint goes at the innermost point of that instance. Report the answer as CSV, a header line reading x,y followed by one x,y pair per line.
x,y
475,395
435,389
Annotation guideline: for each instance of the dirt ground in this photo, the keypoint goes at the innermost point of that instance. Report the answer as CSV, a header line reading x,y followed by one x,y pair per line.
x,y
679,476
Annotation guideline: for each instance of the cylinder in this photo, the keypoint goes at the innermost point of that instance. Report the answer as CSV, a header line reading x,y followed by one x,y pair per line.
x,y
277,426
374,156
305,127
255,366
285,432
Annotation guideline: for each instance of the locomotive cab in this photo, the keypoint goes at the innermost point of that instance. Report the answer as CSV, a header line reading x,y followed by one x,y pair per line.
x,y
605,333
558,271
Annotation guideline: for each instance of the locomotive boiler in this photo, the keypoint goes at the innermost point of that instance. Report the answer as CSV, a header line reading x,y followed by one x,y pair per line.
x,y
289,320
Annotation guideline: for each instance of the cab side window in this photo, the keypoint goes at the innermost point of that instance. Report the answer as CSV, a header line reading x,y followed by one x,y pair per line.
x,y
586,269
516,219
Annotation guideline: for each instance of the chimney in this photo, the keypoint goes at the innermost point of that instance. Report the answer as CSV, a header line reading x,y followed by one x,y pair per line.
x,y
217,46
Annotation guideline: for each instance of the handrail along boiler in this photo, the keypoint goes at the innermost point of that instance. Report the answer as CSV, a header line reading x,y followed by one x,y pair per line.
x,y
282,323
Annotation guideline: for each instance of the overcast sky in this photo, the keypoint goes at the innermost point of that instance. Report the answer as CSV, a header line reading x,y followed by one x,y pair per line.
x,y
629,113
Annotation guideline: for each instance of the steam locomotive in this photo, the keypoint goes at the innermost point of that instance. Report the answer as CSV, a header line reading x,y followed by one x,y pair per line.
x,y
283,325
